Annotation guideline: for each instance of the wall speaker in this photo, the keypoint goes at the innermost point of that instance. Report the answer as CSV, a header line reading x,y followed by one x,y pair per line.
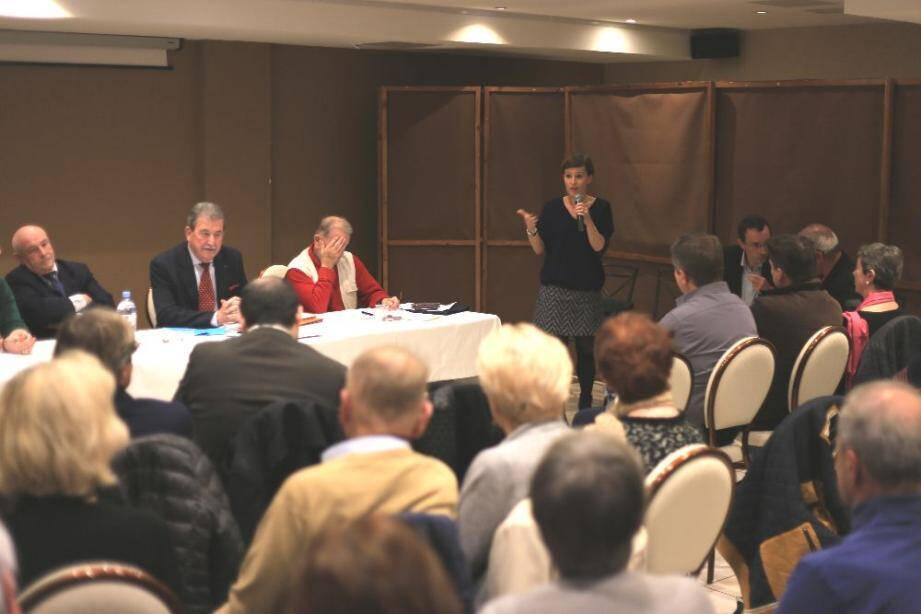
x,y
714,43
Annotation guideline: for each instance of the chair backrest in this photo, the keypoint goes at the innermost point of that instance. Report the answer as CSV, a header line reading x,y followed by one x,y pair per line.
x,y
819,366
151,309
738,385
688,498
274,270
100,587
680,380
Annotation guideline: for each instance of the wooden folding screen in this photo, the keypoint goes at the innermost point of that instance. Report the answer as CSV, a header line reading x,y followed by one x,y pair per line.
x,y
430,192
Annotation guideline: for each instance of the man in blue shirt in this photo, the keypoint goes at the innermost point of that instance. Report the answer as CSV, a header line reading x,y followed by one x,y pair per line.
x,y
878,464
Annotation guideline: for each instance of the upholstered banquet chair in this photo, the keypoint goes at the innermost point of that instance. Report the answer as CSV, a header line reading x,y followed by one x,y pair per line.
x,y
689,494
819,366
151,309
98,587
737,387
274,270
680,381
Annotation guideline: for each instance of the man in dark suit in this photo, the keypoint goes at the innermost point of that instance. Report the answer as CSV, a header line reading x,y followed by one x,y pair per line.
x,y
105,335
227,383
48,290
745,265
197,283
835,267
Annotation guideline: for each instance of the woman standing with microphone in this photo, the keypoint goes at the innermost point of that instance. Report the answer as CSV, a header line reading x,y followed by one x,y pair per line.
x,y
572,233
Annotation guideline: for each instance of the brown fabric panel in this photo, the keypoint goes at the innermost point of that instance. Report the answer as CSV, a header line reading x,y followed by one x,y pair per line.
x,y
526,145
800,155
904,221
431,165
512,279
107,159
649,150
781,553
430,274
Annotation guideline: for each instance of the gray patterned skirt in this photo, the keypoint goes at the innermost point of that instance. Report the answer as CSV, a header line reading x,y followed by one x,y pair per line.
x,y
568,313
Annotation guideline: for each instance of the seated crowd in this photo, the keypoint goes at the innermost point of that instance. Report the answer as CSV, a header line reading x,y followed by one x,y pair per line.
x,y
370,525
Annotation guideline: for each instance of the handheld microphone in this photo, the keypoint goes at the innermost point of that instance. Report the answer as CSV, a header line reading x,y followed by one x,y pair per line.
x,y
580,219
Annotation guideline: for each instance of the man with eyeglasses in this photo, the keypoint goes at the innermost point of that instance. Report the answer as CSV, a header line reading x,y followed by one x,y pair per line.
x,y
197,284
745,267
49,290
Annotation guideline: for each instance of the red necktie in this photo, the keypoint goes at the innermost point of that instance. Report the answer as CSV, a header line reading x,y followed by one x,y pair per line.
x,y
205,289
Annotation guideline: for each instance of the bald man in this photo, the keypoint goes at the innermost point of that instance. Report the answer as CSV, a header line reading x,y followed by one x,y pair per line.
x,y
878,468
836,269
326,277
49,290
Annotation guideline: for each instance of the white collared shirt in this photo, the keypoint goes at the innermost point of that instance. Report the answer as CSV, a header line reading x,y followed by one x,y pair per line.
x,y
77,300
196,266
364,445
748,290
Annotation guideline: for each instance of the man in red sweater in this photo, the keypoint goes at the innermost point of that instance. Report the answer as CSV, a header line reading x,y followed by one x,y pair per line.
x,y
328,278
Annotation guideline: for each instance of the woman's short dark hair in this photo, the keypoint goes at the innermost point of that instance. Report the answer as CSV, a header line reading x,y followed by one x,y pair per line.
x,y
634,356
699,256
578,160
597,477
373,564
884,260
794,255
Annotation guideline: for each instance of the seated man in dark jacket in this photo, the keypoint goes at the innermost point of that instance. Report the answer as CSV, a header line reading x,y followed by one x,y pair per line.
x,y
789,314
48,290
104,334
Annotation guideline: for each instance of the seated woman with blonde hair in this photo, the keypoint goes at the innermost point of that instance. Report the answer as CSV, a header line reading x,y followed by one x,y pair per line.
x,y
58,433
526,375
634,357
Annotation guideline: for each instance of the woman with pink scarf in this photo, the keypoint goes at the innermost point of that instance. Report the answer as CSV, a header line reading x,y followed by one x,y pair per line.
x,y
878,268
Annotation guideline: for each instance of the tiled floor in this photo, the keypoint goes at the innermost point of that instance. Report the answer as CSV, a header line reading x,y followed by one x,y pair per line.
x,y
724,592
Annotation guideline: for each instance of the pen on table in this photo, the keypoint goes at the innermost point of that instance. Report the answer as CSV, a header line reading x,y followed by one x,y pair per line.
x,y
368,313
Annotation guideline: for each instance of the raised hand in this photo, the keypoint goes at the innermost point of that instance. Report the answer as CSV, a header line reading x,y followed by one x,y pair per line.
x,y
530,220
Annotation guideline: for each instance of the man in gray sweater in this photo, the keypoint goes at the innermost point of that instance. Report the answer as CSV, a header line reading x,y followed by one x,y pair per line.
x,y
587,498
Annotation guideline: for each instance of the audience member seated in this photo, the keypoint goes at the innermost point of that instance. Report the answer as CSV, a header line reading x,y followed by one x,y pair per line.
x,y
878,466
789,315
588,499
14,335
836,269
9,570
49,290
526,375
106,335
708,319
384,404
878,268
635,359
197,283
745,267
227,383
326,277
373,564
58,433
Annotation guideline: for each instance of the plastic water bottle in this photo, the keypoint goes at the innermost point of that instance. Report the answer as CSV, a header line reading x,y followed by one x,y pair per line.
x,y
128,310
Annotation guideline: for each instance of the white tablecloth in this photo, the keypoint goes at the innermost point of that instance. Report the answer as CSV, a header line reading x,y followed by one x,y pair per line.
x,y
447,344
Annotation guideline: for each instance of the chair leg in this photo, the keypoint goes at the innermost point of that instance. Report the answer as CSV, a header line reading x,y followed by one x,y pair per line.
x,y
746,459
711,564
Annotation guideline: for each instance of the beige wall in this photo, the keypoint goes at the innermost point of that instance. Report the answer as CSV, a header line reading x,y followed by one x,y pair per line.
x,y
845,52
111,159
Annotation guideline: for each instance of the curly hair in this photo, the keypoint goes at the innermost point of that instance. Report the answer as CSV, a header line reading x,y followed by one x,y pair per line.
x,y
634,356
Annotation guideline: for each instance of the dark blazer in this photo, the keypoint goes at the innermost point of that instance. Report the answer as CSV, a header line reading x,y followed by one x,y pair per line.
x,y
175,292
732,269
787,317
226,383
150,416
55,531
840,283
41,306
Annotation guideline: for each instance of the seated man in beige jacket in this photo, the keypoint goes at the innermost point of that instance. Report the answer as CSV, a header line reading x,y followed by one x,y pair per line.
x,y
383,405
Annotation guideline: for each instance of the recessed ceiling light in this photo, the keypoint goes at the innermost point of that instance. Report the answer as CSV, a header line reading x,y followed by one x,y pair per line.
x,y
761,12
499,8
33,9
631,21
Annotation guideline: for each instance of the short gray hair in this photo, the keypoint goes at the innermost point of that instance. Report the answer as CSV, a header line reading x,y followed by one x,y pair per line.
x,y
884,260
823,238
881,423
333,221
388,383
203,209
